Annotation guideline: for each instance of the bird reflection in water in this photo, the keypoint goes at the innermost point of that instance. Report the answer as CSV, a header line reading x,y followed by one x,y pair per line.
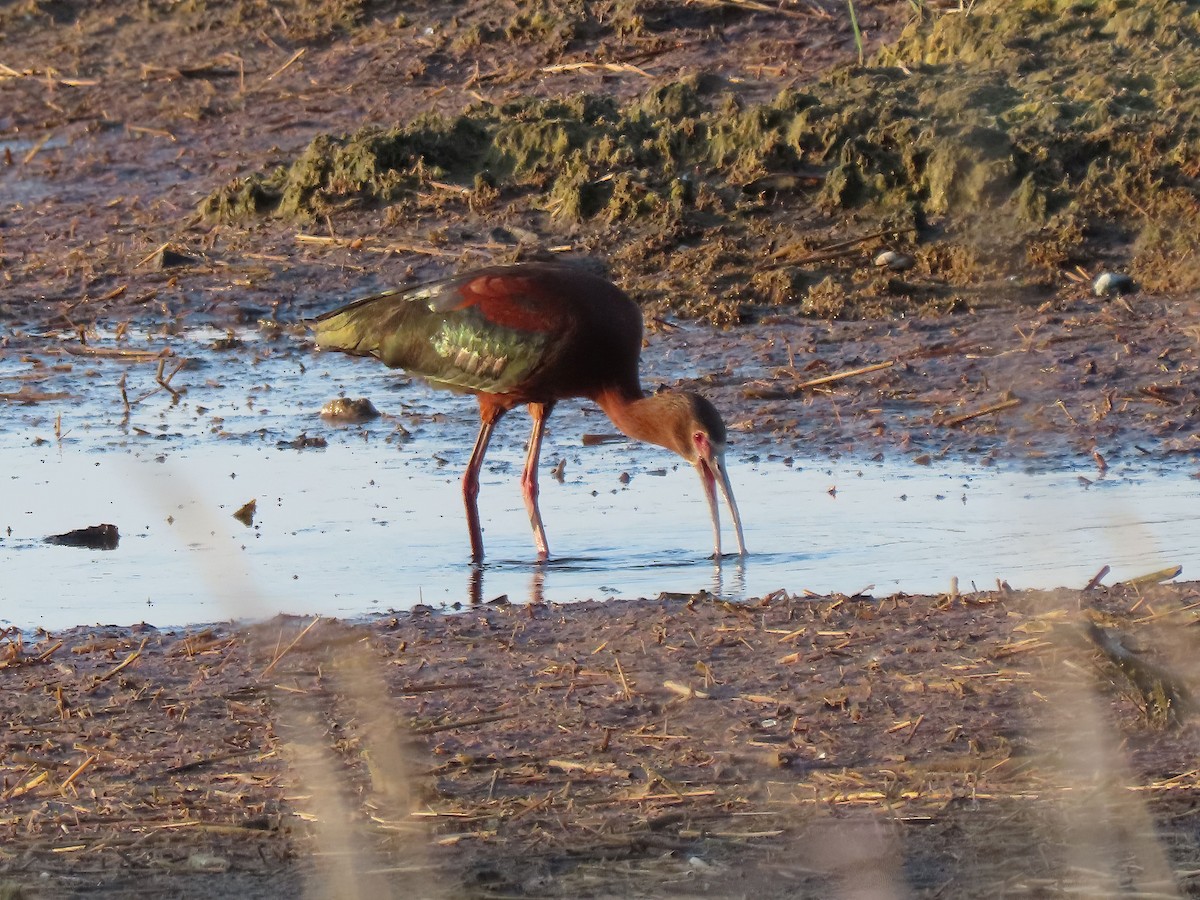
x,y
537,586
735,589
737,580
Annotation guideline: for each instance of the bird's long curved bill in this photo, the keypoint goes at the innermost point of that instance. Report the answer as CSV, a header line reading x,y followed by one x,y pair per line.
x,y
712,471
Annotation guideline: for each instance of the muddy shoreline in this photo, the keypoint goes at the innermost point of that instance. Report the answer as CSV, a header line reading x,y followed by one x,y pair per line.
x,y
680,746
145,114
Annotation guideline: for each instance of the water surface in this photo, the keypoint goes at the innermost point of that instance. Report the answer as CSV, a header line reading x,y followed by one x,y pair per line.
x,y
374,521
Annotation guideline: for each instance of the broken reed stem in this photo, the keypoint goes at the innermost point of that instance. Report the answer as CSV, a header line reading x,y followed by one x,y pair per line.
x,y
157,132
624,682
18,789
127,661
1096,579
463,723
79,770
295,56
848,373
450,188
592,440
124,398
118,353
1156,577
428,687
162,378
915,726
359,243
153,253
284,652
684,690
765,393
36,149
166,381
423,249
831,251
987,410
27,396
1154,617
814,258
607,67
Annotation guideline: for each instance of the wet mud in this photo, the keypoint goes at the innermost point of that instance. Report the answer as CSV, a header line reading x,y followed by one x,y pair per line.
x,y
976,744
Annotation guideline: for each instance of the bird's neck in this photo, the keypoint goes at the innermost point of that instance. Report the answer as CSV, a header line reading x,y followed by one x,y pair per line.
x,y
654,418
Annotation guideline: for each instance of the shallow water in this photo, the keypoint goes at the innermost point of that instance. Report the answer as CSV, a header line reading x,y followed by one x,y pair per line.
x,y
374,521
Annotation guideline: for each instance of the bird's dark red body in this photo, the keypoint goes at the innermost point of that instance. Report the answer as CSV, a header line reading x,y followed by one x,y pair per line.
x,y
592,331
531,334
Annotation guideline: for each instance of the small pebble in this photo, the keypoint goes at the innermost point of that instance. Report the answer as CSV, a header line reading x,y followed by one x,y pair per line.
x,y
343,409
1113,283
894,260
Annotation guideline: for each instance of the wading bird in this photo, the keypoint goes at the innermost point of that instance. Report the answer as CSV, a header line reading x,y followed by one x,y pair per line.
x,y
533,334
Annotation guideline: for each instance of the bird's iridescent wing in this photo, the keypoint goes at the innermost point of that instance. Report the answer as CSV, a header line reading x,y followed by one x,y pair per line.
x,y
485,332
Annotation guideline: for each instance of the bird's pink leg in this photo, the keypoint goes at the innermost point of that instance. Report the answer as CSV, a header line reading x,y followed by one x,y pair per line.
x,y
489,415
529,478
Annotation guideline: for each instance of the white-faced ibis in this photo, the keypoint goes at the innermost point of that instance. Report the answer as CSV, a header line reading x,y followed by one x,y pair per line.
x,y
533,333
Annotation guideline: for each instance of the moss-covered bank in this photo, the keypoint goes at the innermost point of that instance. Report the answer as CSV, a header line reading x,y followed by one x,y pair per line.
x,y
1024,138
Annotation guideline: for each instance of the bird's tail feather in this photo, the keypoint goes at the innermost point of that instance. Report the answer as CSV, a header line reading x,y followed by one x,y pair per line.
x,y
362,326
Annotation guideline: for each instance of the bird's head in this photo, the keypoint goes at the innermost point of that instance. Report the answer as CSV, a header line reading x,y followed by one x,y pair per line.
x,y
699,436
691,426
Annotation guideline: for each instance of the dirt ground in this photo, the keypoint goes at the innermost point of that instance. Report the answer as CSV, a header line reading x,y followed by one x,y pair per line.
x,y
969,746
984,744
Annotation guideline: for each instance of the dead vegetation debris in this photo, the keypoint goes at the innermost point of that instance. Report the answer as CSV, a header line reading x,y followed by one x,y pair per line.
x,y
611,748
93,537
